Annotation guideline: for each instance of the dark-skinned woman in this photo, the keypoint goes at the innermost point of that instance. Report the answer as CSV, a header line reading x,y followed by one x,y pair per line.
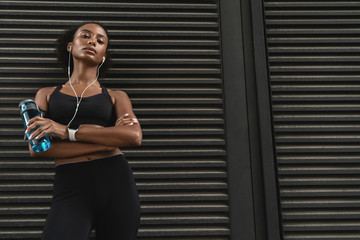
x,y
94,187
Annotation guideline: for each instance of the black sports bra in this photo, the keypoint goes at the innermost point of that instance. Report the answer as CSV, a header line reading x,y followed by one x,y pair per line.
x,y
97,109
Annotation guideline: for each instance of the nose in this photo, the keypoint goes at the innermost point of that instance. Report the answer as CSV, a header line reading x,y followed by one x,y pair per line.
x,y
92,42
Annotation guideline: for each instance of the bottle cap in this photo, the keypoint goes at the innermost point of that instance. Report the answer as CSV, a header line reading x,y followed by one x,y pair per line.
x,y
26,105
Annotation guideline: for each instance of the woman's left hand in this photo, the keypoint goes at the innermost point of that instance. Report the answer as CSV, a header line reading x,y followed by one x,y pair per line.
x,y
46,126
126,120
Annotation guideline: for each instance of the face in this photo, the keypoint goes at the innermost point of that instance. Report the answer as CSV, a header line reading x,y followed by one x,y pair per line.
x,y
89,44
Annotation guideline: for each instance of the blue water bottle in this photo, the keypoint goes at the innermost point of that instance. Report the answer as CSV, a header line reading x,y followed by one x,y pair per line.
x,y
28,110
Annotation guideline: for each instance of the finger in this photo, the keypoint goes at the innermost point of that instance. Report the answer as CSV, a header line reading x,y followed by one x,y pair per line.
x,y
135,120
131,121
123,117
31,127
126,122
126,115
42,134
38,132
34,134
118,122
34,125
37,118
121,121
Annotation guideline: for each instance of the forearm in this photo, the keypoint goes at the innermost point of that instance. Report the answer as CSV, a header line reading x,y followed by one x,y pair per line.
x,y
117,136
62,149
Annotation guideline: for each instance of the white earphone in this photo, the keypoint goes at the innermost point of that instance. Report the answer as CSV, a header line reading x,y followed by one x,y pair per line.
x,y
78,101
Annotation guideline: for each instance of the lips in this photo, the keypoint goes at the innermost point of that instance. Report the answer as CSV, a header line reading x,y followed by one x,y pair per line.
x,y
90,49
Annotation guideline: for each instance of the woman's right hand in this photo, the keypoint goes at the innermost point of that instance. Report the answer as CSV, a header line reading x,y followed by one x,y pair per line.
x,y
46,126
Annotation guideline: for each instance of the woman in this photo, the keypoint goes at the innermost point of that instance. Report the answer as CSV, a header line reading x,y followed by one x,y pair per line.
x,y
94,185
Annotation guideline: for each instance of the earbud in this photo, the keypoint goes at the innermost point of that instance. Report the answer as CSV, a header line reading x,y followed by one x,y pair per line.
x,y
70,48
103,59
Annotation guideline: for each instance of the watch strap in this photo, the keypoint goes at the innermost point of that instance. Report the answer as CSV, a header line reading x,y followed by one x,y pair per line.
x,y
72,133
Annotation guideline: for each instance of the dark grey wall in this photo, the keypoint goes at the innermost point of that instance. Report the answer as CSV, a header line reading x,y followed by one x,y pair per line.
x,y
248,107
253,194
166,56
313,56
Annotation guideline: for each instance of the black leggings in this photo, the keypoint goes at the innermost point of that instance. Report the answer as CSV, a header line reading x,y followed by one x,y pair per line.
x,y
98,194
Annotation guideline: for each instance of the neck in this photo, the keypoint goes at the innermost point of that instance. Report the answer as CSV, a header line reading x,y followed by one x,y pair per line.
x,y
83,74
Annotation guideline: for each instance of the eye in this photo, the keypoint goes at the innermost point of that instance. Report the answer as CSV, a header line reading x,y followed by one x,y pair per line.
x,y
85,36
100,41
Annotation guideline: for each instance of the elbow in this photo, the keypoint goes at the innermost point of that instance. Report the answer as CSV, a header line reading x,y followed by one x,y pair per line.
x,y
137,139
33,154
130,139
36,154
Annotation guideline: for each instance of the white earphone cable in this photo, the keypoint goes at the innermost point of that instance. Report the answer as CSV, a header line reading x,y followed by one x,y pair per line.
x,y
81,97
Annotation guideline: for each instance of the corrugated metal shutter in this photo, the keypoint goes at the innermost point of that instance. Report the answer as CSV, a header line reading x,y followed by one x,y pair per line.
x,y
166,56
313,53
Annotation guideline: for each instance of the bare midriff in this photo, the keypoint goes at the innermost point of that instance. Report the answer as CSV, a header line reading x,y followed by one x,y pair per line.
x,y
87,157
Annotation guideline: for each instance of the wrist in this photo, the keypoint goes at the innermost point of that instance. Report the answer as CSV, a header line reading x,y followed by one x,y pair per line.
x,y
65,133
72,130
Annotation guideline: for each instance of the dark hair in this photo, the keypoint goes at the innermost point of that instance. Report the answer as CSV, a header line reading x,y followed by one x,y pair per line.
x,y
68,36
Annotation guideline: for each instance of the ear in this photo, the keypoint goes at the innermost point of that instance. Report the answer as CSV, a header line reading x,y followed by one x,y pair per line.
x,y
68,47
104,58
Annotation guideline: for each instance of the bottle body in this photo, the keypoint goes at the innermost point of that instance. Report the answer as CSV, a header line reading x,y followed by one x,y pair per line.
x,y
28,110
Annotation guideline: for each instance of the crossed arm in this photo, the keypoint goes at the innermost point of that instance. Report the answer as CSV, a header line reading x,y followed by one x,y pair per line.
x,y
64,149
90,138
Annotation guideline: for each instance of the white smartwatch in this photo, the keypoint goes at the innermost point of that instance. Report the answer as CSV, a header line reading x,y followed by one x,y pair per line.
x,y
72,129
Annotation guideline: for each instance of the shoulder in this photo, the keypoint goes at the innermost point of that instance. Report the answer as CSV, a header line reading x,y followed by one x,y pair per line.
x,y
118,96
117,93
45,91
43,95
